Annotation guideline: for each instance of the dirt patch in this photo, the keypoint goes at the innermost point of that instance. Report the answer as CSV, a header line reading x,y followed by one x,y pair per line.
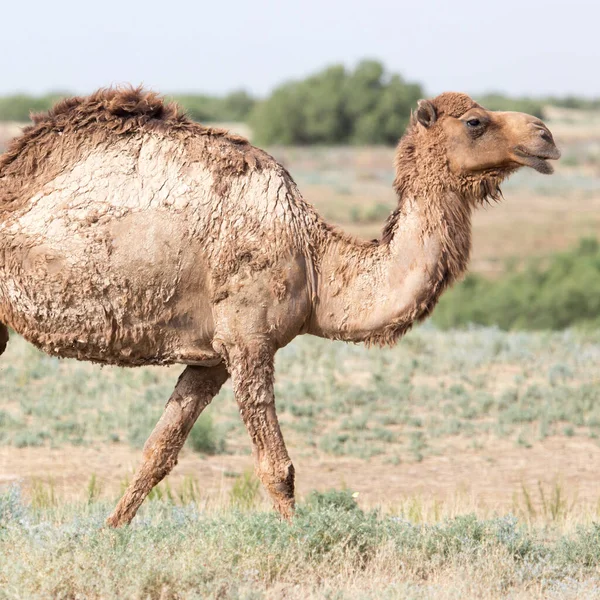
x,y
486,479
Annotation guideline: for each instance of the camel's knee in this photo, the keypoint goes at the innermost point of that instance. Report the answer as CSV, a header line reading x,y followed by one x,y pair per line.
x,y
3,337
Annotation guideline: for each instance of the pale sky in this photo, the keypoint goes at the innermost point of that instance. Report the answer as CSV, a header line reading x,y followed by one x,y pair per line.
x,y
515,46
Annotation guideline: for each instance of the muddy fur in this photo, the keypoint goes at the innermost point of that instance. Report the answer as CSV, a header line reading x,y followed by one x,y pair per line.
x,y
131,235
77,125
252,373
215,186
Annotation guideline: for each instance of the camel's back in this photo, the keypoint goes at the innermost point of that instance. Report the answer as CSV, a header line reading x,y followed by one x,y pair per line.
x,y
120,226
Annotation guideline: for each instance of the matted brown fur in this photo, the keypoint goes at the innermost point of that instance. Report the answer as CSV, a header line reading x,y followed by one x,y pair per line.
x,y
76,125
69,133
453,104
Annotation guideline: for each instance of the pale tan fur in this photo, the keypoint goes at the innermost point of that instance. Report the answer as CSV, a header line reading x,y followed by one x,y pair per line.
x,y
130,235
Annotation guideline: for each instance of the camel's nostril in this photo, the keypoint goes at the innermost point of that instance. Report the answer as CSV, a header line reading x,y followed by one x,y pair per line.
x,y
547,137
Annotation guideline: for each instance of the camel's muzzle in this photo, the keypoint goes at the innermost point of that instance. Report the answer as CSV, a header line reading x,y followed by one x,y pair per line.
x,y
538,149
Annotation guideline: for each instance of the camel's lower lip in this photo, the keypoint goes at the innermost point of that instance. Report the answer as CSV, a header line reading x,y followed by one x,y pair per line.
x,y
539,162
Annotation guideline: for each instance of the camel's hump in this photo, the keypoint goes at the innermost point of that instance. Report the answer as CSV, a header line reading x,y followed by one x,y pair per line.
x,y
114,104
106,113
119,110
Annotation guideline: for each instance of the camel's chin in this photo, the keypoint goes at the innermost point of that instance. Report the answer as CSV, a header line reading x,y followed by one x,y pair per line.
x,y
539,163
541,166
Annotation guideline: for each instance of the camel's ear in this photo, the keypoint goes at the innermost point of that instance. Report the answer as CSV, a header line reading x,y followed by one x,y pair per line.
x,y
426,113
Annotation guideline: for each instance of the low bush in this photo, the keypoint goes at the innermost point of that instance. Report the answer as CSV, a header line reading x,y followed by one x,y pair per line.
x,y
205,437
559,292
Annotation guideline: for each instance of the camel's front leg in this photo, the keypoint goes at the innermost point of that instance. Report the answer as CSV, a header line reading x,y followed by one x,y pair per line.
x,y
196,387
251,369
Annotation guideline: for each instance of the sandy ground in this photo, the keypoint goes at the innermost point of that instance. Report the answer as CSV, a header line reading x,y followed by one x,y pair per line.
x,y
483,479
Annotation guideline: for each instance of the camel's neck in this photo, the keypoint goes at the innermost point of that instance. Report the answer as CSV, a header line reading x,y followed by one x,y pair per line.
x,y
373,292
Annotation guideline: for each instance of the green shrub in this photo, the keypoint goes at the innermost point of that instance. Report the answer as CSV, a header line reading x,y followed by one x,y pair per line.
x,y
561,292
582,549
337,106
205,438
343,500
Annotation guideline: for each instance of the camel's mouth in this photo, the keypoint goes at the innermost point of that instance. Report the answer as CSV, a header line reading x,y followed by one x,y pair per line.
x,y
538,160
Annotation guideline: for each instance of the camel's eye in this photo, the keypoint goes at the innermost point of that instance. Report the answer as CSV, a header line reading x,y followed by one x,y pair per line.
x,y
473,122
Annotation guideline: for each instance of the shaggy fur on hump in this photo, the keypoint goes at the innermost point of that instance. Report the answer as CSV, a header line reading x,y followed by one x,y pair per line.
x,y
118,110
105,104
79,124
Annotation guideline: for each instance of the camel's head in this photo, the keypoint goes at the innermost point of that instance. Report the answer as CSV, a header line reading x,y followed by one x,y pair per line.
x,y
472,145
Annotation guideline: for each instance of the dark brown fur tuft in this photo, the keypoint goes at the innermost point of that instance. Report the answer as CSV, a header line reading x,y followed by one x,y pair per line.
x,y
109,104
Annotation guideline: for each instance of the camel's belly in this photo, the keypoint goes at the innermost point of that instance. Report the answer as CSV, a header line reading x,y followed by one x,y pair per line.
x,y
131,291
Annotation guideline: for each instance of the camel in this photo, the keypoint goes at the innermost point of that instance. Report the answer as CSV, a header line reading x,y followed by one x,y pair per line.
x,y
130,235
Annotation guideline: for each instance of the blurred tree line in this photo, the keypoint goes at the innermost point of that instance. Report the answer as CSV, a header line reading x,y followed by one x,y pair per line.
x,y
18,106
498,101
233,107
364,105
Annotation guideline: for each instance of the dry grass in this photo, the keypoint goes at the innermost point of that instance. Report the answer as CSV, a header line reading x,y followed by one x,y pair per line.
x,y
331,550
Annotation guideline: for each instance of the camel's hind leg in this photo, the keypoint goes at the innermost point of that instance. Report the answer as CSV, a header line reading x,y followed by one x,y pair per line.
x,y
3,337
196,387
252,369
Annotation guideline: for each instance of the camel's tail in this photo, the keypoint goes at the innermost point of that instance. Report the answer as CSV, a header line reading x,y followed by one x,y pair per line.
x,y
3,337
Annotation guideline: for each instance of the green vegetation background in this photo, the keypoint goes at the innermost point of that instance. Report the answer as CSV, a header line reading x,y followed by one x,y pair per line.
x,y
337,105
560,291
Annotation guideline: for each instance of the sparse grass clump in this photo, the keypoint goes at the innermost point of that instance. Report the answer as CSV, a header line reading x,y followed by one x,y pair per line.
x,y
245,492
